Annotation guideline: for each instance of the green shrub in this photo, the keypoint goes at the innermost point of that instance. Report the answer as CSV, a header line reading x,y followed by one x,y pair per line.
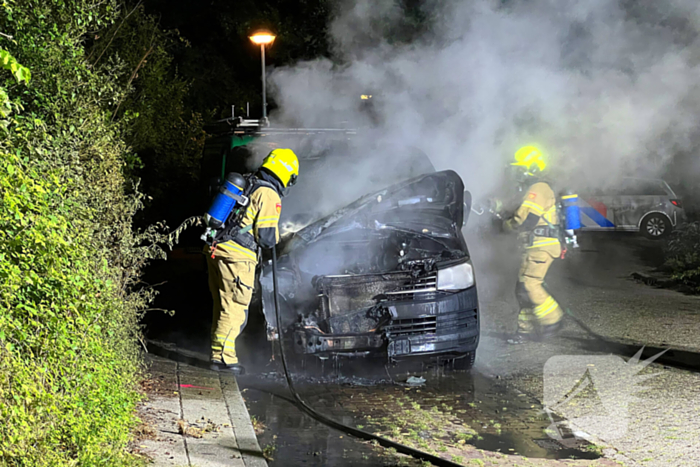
x,y
67,362
682,254
69,258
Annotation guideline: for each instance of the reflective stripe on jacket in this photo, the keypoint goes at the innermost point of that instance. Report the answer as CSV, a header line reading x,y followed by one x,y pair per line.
x,y
538,201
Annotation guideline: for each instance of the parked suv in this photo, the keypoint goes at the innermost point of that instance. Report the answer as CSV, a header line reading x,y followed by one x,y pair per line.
x,y
643,205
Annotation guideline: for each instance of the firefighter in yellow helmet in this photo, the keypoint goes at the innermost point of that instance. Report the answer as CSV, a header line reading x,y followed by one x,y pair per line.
x,y
537,225
233,256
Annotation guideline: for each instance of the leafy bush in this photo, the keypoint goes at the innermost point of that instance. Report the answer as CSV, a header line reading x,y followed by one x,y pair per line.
x,y
67,362
683,255
69,258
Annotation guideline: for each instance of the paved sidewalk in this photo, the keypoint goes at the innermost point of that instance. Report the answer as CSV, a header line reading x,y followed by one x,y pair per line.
x,y
200,419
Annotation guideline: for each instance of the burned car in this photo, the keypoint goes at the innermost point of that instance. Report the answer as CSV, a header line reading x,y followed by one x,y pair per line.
x,y
389,274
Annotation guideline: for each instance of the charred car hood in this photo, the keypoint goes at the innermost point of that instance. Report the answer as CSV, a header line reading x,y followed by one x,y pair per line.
x,y
371,268
430,205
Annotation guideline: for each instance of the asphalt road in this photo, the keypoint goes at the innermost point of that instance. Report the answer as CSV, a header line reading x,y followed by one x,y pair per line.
x,y
652,422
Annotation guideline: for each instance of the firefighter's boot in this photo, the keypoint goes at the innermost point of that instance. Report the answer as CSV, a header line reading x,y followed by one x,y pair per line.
x,y
236,368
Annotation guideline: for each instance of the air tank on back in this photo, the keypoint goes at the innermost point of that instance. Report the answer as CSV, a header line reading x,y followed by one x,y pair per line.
x,y
224,203
572,216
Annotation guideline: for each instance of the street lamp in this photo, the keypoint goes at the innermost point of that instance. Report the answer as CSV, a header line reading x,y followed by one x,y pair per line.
x,y
263,38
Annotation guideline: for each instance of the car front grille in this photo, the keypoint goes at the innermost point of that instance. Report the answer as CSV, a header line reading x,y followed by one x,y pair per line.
x,y
447,323
343,293
407,327
413,288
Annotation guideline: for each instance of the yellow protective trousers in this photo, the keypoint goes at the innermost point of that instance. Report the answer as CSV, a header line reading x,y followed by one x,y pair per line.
x,y
231,282
539,312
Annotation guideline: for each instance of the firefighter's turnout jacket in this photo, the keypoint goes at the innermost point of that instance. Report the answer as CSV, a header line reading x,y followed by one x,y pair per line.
x,y
537,224
231,266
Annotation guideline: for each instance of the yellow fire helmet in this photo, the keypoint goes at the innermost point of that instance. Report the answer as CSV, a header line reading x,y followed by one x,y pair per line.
x,y
284,165
531,159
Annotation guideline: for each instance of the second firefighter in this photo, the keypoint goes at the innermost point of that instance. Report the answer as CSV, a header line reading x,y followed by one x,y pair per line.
x,y
537,224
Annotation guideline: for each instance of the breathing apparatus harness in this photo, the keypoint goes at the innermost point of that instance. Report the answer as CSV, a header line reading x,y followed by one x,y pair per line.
x,y
551,231
225,216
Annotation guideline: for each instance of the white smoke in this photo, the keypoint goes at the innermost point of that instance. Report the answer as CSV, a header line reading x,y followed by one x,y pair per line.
x,y
606,88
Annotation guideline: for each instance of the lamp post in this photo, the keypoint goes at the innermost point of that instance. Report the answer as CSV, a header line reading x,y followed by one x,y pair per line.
x,y
263,38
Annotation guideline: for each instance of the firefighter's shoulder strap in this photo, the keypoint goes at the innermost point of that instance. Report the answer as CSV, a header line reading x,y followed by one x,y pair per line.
x,y
550,230
254,183
553,230
233,229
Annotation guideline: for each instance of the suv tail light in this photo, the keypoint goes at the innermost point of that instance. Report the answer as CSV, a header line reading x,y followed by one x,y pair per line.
x,y
677,203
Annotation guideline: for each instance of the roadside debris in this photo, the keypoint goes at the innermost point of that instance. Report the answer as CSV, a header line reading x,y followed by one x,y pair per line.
x,y
258,425
415,381
197,429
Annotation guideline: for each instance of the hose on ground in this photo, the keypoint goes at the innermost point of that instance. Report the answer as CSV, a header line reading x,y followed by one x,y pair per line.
x,y
583,325
387,443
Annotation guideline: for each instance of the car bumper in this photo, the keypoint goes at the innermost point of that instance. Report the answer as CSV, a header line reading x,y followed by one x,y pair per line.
x,y
448,324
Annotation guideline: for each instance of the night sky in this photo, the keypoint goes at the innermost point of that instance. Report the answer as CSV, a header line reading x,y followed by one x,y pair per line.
x,y
219,59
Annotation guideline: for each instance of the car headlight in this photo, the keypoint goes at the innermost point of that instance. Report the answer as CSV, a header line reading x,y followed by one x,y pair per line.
x,y
458,277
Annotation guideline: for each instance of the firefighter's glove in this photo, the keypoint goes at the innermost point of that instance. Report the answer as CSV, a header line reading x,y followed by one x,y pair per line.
x,y
496,207
509,225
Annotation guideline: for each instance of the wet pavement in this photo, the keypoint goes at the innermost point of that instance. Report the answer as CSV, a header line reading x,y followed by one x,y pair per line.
x,y
290,437
455,415
459,416
495,414
660,420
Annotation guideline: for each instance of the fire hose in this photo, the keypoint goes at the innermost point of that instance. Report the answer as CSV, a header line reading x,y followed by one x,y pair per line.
x,y
678,358
313,413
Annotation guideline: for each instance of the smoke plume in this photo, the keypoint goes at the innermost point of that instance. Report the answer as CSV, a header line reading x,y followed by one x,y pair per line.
x,y
606,88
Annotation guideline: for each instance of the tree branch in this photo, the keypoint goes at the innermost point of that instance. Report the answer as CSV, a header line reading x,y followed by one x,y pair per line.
x,y
133,75
113,35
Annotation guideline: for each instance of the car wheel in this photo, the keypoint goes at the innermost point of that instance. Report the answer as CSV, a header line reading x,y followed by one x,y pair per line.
x,y
656,226
465,363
